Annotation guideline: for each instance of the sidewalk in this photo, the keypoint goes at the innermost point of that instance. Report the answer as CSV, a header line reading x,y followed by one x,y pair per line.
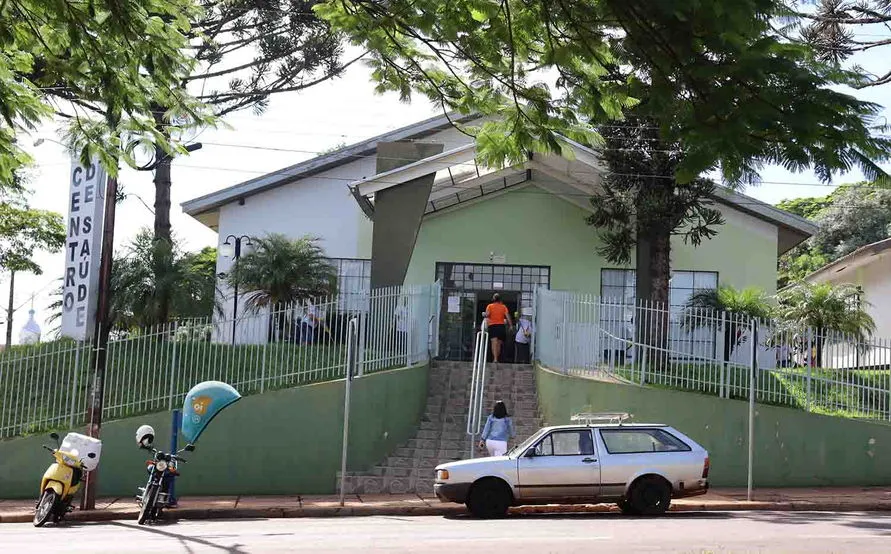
x,y
227,507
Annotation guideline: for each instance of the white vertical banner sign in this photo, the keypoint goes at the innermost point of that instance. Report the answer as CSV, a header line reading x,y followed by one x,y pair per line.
x,y
86,212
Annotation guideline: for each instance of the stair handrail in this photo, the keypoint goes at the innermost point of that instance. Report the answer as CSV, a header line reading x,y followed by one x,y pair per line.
x,y
477,384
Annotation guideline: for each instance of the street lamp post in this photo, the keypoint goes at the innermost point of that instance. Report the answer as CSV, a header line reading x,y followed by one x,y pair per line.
x,y
235,248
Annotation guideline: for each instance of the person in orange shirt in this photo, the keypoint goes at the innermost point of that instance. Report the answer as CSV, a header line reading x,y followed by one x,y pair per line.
x,y
498,318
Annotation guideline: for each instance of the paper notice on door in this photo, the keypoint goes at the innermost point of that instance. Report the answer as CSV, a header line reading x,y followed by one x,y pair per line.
x,y
497,285
454,304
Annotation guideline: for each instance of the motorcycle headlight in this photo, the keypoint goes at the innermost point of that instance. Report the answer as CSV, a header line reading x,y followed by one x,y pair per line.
x,y
161,465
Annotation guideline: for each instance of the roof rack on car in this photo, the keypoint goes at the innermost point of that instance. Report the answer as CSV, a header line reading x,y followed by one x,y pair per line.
x,y
603,417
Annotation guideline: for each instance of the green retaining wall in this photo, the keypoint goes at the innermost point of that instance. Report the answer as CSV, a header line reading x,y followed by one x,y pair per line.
x,y
793,448
283,442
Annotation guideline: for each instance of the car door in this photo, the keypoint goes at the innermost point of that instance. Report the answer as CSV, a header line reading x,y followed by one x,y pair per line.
x,y
562,465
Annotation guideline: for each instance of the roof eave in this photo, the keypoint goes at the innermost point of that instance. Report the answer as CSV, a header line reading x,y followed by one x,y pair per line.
x,y
857,258
214,200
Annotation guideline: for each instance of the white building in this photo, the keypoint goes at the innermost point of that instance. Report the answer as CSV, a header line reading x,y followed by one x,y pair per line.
x,y
868,267
479,230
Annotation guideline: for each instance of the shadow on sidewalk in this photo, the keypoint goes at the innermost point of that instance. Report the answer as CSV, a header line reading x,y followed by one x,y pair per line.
x,y
183,539
600,515
880,522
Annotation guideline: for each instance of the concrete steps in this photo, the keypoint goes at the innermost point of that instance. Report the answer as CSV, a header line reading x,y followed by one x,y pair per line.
x,y
441,436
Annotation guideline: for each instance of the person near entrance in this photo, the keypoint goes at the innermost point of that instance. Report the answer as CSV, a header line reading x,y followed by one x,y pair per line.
x,y
523,339
498,318
498,430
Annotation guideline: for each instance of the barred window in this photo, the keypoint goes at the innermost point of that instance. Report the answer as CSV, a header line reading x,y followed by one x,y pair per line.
x,y
617,286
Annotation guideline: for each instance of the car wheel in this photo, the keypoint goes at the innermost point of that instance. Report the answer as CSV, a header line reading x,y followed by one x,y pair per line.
x,y
489,499
650,496
626,507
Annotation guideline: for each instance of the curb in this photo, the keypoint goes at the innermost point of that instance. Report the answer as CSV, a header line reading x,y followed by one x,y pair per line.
x,y
443,510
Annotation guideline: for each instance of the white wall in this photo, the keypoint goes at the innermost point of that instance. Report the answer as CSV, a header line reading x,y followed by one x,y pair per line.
x,y
875,278
320,206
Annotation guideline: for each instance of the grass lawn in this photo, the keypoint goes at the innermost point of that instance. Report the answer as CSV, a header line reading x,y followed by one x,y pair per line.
x,y
860,393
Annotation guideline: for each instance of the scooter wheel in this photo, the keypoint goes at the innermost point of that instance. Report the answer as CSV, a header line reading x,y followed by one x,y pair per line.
x,y
44,510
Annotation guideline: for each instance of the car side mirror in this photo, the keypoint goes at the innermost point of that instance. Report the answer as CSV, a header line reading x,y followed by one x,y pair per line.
x,y
530,453
190,448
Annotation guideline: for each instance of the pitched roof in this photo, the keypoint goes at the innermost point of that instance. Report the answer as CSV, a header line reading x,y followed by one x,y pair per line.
x,y
860,257
208,202
794,229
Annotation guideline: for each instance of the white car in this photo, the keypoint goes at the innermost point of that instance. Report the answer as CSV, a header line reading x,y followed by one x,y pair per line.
x,y
640,467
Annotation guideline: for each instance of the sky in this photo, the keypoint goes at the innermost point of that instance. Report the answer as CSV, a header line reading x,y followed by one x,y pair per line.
x,y
292,129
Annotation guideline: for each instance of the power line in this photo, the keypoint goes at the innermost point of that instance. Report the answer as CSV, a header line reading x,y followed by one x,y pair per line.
x,y
446,165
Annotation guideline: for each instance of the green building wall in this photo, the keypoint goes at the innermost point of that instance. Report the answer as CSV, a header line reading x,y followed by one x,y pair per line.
x,y
793,448
283,442
531,226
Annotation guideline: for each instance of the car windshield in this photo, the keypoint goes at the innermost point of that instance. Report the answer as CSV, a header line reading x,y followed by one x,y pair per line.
x,y
526,443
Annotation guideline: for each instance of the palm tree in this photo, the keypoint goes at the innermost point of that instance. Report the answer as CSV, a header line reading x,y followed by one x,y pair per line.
x,y
826,309
155,279
281,271
146,272
740,306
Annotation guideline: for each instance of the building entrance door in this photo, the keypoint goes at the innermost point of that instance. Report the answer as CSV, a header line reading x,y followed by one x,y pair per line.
x,y
468,289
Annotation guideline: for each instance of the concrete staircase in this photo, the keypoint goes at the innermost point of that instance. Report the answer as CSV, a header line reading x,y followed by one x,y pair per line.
x,y
442,435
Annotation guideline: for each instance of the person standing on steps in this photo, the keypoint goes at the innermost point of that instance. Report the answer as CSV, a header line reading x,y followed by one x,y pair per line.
x,y
498,318
498,430
523,339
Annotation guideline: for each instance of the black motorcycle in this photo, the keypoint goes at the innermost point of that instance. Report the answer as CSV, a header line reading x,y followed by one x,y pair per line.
x,y
162,470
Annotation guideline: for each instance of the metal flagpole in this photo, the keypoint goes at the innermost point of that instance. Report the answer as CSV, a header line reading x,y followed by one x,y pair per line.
x,y
752,367
352,344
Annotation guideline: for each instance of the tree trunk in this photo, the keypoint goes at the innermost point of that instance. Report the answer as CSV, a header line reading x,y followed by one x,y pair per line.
x,y
162,232
653,272
162,195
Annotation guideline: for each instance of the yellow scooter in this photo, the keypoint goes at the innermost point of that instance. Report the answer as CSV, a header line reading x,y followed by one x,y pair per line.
x,y
62,479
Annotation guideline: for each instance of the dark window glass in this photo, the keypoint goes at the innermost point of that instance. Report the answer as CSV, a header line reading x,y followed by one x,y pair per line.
x,y
636,441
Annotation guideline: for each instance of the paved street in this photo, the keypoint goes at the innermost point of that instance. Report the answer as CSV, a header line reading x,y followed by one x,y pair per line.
x,y
682,532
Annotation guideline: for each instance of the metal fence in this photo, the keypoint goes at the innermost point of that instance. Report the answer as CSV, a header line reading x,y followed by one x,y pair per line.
x,y
714,353
48,385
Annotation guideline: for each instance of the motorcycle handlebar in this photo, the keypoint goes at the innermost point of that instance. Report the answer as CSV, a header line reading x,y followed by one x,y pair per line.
x,y
165,456
48,448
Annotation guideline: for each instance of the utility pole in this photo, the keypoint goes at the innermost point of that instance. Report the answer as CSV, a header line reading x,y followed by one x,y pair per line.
x,y
10,309
103,328
100,337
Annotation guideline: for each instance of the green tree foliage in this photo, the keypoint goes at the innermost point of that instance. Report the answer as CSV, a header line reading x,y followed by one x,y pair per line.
x,y
808,208
282,271
740,305
101,65
643,206
839,29
851,217
202,266
244,51
748,302
715,75
24,230
826,309
186,280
